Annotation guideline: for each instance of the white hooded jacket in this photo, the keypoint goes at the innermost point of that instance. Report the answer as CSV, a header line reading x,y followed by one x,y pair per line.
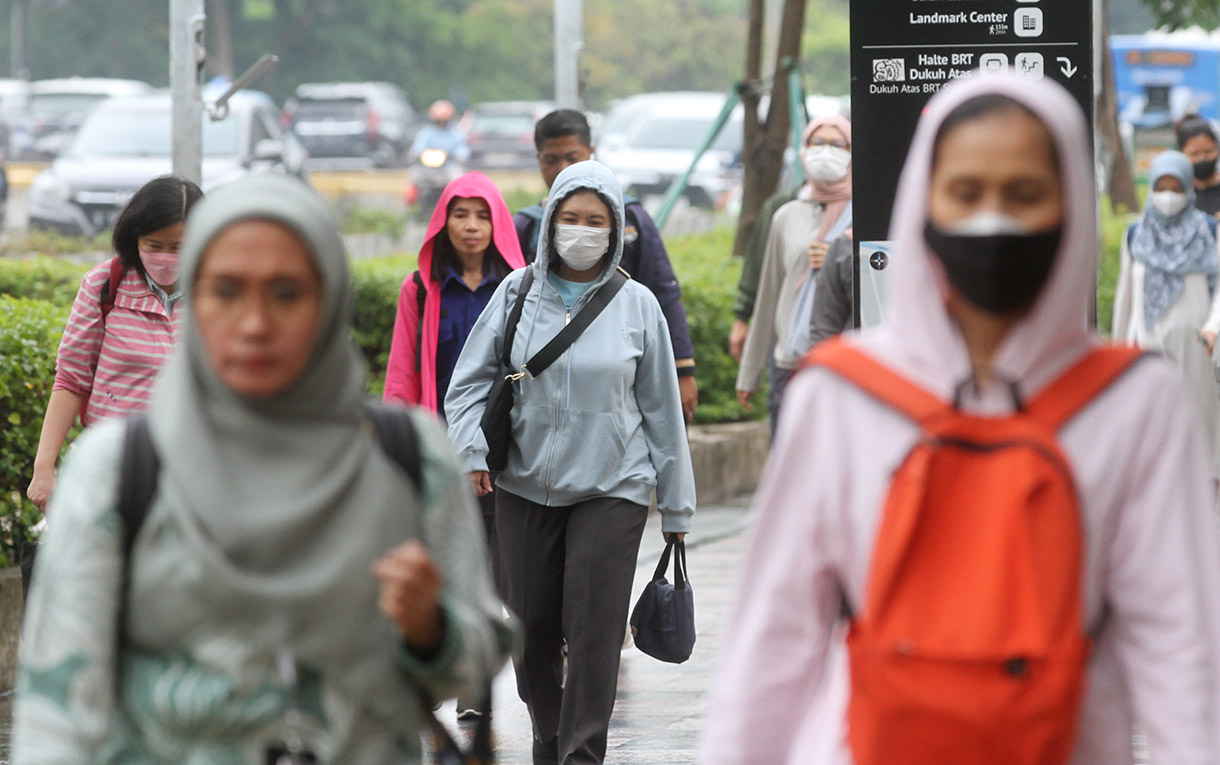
x,y
1152,564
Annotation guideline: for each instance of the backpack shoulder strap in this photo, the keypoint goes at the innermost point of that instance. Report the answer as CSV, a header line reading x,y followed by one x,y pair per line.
x,y
139,471
398,439
421,296
876,379
111,288
1060,401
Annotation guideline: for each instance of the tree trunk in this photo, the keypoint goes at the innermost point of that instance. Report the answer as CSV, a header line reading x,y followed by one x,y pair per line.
x,y
220,41
1120,184
764,141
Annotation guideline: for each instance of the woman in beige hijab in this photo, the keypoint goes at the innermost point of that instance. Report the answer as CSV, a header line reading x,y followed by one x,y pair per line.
x,y
290,587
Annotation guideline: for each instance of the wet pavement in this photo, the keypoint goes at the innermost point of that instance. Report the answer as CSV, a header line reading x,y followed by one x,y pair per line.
x,y
660,708
659,713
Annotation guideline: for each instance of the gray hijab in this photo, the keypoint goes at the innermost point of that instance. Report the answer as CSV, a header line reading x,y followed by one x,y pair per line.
x,y
271,511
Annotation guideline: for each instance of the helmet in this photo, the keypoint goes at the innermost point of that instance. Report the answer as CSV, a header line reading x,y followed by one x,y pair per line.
x,y
441,111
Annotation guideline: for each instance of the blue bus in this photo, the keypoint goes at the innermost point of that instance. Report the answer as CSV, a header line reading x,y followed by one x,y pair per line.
x,y
1160,78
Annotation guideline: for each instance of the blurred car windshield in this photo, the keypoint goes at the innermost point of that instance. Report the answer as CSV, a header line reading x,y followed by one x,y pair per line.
x,y
684,133
503,124
330,107
59,104
148,134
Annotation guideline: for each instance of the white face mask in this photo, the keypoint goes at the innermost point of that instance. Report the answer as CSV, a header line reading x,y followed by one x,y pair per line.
x,y
988,223
825,164
1169,203
581,247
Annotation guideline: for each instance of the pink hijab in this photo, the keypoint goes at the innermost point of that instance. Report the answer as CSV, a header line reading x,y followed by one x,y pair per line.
x,y
503,235
834,195
918,336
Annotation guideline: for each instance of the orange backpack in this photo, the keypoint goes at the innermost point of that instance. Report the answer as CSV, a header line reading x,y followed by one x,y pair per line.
x,y
970,647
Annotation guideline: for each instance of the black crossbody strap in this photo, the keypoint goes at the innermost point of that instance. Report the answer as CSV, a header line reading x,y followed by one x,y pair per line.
x,y
514,316
554,349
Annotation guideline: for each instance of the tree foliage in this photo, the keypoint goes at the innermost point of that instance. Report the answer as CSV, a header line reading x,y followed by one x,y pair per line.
x,y
469,50
1176,14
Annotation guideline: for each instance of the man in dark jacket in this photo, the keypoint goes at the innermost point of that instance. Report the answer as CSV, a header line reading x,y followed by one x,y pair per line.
x,y
563,138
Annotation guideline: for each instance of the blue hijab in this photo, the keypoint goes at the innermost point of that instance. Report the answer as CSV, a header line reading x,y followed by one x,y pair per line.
x,y
1171,247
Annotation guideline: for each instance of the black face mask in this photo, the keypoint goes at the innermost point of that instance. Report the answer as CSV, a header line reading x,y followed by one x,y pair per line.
x,y
999,273
1205,169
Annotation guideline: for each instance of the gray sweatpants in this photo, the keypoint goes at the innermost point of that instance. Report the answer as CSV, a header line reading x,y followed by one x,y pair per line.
x,y
567,574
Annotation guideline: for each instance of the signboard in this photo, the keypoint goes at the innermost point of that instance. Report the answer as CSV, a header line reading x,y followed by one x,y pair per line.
x,y
904,51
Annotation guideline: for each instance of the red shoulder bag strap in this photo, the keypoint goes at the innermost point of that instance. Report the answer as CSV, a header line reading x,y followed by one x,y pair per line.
x,y
876,379
1081,383
111,288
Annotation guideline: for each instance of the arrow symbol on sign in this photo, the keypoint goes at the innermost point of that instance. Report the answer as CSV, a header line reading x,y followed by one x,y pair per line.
x,y
1068,69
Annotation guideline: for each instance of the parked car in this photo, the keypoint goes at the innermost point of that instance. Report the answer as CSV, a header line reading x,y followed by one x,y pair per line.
x,y
125,142
500,134
650,139
58,107
370,121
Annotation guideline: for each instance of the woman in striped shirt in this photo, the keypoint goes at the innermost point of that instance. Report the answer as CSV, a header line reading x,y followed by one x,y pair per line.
x,y
117,339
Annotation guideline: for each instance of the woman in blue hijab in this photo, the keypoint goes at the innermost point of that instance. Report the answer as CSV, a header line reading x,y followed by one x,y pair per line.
x,y
1167,285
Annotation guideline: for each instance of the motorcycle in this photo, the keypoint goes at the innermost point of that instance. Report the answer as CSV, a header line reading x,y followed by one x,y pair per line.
x,y
427,178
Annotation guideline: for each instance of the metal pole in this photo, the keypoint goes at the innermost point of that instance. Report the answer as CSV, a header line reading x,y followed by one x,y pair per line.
x,y
186,56
17,64
569,40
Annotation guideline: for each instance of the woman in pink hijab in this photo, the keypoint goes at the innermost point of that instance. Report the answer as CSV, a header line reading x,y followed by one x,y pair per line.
x,y
995,256
796,247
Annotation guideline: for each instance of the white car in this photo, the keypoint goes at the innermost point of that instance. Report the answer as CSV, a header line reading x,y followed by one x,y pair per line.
x,y
650,139
126,142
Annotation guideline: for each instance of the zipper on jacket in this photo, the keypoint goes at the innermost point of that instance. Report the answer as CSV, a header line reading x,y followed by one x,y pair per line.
x,y
550,463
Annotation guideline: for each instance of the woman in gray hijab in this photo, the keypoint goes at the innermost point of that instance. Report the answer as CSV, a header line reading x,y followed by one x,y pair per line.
x,y
289,589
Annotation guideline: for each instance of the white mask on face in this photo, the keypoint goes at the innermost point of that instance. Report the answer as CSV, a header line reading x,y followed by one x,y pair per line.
x,y
581,247
825,164
1169,203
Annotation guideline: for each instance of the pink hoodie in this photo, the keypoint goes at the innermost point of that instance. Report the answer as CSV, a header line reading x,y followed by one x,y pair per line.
x,y
1152,563
402,381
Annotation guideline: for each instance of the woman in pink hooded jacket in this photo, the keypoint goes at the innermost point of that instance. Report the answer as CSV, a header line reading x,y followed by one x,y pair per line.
x,y
469,248
1018,166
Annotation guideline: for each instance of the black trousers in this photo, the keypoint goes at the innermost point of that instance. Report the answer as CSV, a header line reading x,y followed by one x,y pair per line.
x,y
566,573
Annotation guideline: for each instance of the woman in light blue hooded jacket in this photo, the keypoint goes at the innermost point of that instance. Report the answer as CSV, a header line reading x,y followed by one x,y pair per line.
x,y
593,435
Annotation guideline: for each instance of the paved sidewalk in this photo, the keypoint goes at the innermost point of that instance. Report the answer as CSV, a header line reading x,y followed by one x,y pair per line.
x,y
659,713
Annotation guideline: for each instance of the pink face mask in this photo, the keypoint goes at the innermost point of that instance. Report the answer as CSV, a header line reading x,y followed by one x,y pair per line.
x,y
162,267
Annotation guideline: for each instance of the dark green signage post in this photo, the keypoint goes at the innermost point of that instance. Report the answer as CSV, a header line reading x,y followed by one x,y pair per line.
x,y
904,51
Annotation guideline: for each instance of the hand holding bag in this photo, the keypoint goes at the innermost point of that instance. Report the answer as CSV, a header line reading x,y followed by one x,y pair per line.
x,y
663,620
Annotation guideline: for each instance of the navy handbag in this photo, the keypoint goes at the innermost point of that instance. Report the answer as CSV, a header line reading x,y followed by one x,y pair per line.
x,y
663,620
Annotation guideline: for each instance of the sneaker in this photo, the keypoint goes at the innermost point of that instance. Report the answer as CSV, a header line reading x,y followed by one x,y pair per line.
x,y
468,715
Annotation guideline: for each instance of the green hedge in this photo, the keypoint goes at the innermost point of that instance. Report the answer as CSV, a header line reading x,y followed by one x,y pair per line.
x,y
52,279
377,282
29,334
709,274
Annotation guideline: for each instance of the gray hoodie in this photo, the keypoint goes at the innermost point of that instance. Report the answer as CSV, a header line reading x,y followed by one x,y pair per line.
x,y
605,420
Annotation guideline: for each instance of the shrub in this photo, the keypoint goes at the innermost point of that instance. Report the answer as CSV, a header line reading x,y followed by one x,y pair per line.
x,y
41,278
709,276
376,282
29,335
362,220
